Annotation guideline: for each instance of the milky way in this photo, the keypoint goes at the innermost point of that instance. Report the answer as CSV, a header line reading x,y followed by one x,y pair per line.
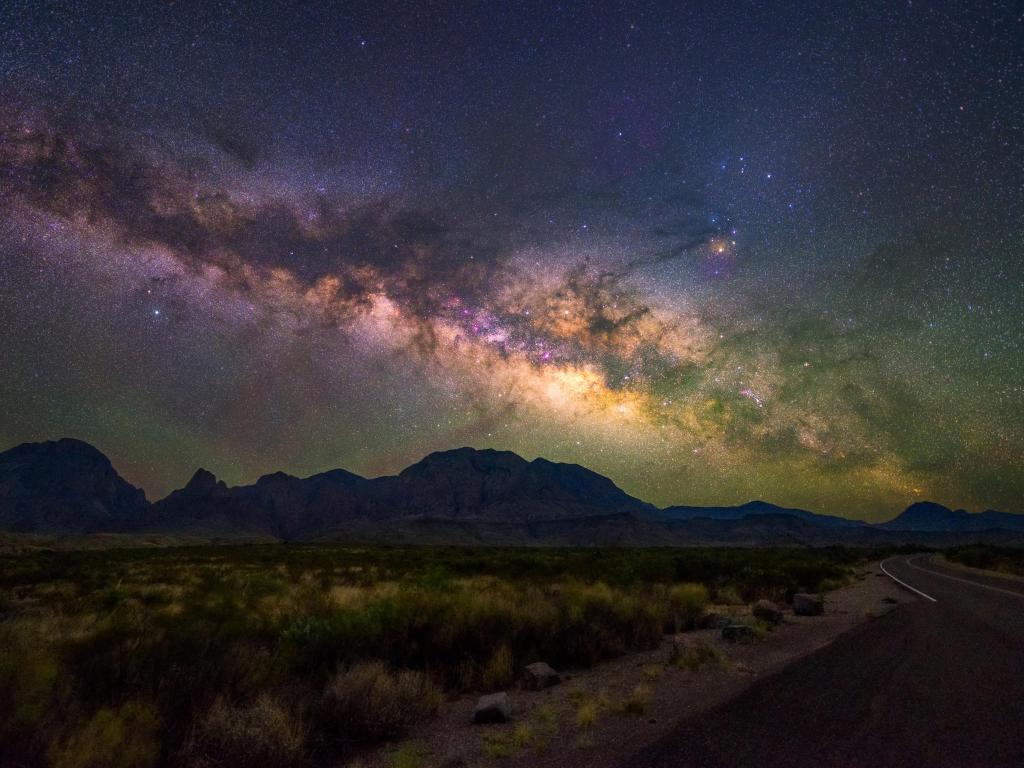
x,y
714,255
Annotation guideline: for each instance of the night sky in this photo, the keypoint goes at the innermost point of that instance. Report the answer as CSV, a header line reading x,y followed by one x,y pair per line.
x,y
715,251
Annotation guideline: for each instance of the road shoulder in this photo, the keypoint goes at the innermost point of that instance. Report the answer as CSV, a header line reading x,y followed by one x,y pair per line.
x,y
594,719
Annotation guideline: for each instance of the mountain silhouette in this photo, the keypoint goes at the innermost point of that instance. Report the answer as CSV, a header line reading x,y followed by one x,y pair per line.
x,y
752,508
464,496
929,516
65,486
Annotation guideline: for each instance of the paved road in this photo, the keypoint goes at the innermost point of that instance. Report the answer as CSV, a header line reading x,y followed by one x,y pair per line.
x,y
929,684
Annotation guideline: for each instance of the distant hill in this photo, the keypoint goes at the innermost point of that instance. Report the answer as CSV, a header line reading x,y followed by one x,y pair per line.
x,y
758,508
462,496
928,516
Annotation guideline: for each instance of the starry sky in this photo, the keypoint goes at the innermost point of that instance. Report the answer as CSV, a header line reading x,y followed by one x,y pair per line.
x,y
715,251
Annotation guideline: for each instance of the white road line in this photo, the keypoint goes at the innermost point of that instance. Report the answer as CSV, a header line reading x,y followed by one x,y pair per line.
x,y
904,584
909,562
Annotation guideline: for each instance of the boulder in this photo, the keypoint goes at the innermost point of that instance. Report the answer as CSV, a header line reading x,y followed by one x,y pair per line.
x,y
493,708
805,604
538,676
768,611
739,633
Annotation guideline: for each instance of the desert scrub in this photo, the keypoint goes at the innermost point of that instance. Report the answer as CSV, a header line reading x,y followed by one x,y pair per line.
x,y
239,736
371,703
652,672
636,702
95,638
1004,559
122,738
477,635
686,603
693,657
499,672
728,595
587,713
498,744
412,754
588,707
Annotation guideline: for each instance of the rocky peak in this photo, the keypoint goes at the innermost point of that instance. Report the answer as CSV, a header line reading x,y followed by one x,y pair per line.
x,y
203,483
64,485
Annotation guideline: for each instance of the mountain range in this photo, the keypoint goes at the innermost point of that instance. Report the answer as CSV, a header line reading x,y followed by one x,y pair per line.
x,y
462,496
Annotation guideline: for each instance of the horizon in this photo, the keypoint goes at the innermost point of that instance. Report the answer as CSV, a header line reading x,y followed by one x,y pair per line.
x,y
714,254
755,500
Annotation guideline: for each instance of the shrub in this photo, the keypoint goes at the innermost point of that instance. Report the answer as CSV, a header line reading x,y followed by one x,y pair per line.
x,y
499,671
728,595
84,632
410,755
498,745
261,733
370,703
693,657
587,713
522,736
687,603
652,672
636,702
122,738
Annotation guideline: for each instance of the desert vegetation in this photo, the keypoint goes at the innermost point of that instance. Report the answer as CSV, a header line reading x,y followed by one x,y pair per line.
x,y
299,655
1003,559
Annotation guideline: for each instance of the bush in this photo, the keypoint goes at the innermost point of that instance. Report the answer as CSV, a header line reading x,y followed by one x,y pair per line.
x,y
122,738
370,703
499,672
687,603
636,702
1005,559
262,733
86,632
693,657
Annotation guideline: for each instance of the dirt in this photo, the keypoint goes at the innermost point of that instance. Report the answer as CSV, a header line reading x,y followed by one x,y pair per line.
x,y
594,718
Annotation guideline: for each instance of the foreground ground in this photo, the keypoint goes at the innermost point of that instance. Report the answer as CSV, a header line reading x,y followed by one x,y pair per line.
x,y
338,656
939,682
595,720
328,655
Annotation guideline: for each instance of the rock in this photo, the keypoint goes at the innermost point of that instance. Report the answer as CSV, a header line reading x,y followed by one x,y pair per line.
x,y
493,708
538,676
739,633
808,605
766,610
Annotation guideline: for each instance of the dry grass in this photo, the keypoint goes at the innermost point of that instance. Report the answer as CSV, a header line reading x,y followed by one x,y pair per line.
x,y
123,738
118,657
636,702
652,672
412,754
499,672
261,733
369,702
695,656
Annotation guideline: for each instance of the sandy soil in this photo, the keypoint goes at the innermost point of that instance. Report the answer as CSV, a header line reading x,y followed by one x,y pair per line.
x,y
546,728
